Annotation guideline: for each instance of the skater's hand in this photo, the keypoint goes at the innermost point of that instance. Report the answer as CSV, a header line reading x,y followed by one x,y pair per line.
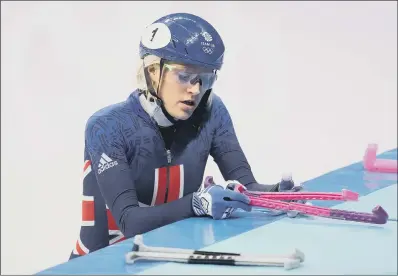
x,y
218,202
287,185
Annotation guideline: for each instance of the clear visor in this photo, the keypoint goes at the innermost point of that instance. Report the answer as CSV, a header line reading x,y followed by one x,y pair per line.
x,y
190,75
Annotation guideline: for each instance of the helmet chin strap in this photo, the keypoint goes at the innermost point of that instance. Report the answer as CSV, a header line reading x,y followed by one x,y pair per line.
x,y
152,104
152,107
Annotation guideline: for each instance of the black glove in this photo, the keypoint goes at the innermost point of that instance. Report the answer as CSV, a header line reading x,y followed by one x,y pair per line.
x,y
285,185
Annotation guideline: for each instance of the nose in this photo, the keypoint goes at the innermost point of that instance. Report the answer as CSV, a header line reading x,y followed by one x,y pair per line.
x,y
194,89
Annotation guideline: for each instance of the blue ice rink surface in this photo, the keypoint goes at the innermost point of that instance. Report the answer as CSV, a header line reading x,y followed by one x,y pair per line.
x,y
330,246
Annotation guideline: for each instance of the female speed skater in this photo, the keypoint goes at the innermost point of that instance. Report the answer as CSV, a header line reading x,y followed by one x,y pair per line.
x,y
145,157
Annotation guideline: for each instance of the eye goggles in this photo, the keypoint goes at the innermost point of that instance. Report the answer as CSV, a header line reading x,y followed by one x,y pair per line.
x,y
189,76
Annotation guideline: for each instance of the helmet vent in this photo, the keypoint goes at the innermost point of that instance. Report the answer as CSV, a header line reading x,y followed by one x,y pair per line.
x,y
186,51
174,43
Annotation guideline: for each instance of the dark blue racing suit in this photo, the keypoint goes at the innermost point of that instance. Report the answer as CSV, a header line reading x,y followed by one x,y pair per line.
x,y
130,163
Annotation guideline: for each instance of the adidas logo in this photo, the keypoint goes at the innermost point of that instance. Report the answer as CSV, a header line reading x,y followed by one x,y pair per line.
x,y
105,163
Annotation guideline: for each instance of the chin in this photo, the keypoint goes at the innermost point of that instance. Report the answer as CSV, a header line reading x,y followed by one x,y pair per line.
x,y
183,116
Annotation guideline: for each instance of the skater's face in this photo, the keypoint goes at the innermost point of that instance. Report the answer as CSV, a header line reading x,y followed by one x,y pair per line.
x,y
181,87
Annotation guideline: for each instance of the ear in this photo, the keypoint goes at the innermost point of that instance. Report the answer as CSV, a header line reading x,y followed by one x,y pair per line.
x,y
154,71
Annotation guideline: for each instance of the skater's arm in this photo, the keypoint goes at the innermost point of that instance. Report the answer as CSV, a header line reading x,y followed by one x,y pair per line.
x,y
117,186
